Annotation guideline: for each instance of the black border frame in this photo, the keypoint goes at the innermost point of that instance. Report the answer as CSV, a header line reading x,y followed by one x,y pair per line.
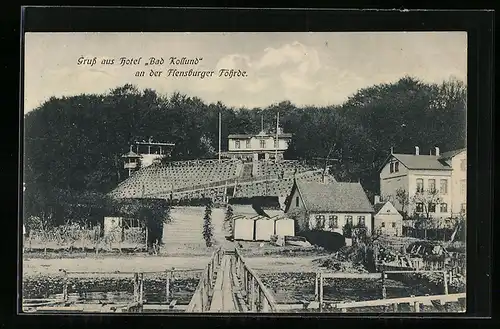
x,y
480,28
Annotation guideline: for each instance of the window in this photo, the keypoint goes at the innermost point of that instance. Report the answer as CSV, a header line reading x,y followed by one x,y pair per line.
x,y
348,220
247,143
237,144
320,222
361,220
382,224
463,165
420,185
432,207
420,207
393,224
296,201
444,207
334,221
432,185
392,167
443,187
262,144
463,207
396,167
463,187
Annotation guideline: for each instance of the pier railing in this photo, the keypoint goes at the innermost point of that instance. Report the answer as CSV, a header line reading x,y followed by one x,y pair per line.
x,y
200,302
255,294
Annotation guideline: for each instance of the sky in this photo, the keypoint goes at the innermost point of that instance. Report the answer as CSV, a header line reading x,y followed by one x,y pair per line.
x,y
304,68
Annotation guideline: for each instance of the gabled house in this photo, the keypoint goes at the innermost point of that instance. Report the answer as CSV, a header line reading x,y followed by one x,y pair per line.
x,y
434,184
387,219
329,206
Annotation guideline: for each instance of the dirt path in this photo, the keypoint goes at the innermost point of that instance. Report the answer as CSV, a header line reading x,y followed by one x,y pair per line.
x,y
39,266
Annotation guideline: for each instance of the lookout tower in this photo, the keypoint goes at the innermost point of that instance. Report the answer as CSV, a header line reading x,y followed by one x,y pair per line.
x,y
146,153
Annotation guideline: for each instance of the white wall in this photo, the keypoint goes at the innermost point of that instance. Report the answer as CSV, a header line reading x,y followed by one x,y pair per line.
x,y
391,182
457,198
388,215
255,144
341,221
437,175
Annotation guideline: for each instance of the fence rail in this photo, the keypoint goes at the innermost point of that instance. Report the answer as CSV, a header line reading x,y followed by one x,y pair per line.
x,y
200,302
256,295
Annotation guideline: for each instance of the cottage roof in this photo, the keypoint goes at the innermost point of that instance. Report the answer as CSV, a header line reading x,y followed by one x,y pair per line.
x,y
451,154
333,197
412,161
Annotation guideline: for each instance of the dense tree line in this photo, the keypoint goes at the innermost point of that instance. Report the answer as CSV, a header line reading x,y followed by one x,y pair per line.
x,y
75,143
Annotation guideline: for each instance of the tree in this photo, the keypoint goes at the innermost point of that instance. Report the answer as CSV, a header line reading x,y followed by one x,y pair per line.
x,y
228,220
424,205
347,230
403,198
208,229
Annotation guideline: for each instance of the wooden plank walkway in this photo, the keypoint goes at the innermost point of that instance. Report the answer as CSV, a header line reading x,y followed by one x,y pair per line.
x,y
223,296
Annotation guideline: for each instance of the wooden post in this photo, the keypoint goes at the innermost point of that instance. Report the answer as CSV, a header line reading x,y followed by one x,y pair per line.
x,y
65,285
316,287
320,292
395,307
252,294
167,287
384,290
416,307
445,282
141,288
136,287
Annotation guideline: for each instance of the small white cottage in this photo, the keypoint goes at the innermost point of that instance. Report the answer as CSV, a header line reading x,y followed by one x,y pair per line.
x,y
329,206
387,220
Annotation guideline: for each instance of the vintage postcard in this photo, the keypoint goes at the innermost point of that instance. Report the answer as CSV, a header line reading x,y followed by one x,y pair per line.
x,y
245,172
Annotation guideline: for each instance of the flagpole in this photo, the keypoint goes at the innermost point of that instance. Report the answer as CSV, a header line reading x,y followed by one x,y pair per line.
x,y
277,138
220,120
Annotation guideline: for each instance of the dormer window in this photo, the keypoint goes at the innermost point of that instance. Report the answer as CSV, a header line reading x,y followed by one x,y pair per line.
x,y
392,167
396,166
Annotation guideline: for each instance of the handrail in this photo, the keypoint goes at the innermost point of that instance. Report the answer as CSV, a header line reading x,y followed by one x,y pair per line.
x,y
200,302
402,300
260,300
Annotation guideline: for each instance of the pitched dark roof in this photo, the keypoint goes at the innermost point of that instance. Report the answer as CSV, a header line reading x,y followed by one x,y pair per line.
x,y
334,197
412,161
451,154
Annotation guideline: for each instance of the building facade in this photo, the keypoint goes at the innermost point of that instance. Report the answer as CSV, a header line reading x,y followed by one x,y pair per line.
x,y
434,185
329,206
387,219
261,146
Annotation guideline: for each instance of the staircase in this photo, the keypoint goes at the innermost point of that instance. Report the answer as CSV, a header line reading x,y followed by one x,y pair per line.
x,y
247,170
186,226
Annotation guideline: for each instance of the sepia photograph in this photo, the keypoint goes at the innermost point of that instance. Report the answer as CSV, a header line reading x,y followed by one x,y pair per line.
x,y
239,172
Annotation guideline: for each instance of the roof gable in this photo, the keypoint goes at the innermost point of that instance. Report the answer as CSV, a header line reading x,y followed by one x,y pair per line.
x,y
451,154
384,208
334,197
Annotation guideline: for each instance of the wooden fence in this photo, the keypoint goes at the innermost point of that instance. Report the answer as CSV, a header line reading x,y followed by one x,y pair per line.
x,y
319,283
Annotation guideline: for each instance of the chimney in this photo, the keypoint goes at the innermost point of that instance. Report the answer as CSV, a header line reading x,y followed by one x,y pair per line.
x,y
392,150
417,150
437,151
376,199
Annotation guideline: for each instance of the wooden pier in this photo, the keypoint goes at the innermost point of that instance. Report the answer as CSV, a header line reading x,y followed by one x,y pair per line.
x,y
229,285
